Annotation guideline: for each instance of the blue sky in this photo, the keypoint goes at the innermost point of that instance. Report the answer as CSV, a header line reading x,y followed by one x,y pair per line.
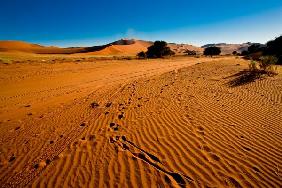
x,y
93,22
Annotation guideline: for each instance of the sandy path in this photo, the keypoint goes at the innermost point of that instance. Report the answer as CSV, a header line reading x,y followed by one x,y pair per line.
x,y
41,85
36,99
183,128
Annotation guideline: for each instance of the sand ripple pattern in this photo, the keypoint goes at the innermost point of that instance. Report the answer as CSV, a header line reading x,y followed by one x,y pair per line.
x,y
184,128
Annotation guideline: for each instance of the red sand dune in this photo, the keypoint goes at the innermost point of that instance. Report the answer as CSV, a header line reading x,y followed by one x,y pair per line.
x,y
120,47
20,46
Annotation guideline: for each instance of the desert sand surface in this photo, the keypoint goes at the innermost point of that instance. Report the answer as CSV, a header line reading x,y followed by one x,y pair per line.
x,y
179,122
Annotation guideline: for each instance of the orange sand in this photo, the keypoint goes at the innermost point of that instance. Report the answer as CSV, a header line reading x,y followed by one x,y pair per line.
x,y
159,123
117,48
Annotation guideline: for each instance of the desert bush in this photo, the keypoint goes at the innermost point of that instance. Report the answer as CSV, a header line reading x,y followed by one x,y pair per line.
x,y
266,63
253,66
159,49
127,58
234,53
263,66
141,55
256,71
212,51
6,61
190,52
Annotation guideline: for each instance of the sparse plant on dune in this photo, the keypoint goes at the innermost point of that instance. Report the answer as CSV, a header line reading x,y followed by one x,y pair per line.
x,y
266,64
141,55
190,52
253,66
6,61
257,70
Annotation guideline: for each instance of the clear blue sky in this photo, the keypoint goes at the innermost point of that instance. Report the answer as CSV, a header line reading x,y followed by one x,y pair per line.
x,y
92,22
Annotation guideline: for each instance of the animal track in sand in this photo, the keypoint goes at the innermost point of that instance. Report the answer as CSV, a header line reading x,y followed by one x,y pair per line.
x,y
94,105
120,116
215,157
114,126
150,159
91,138
234,182
256,169
12,158
246,148
82,125
109,104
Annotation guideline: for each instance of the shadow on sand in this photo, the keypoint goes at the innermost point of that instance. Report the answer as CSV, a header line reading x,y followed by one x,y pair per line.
x,y
245,76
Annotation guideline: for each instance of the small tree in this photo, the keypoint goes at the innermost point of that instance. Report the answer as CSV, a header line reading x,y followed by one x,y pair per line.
x,y
159,49
254,48
273,47
212,51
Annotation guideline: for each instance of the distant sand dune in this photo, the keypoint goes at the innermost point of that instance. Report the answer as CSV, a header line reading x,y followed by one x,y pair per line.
x,y
19,46
125,47
130,49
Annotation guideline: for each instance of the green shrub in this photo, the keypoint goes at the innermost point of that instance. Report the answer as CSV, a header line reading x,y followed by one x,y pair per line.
x,y
6,61
253,66
266,63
